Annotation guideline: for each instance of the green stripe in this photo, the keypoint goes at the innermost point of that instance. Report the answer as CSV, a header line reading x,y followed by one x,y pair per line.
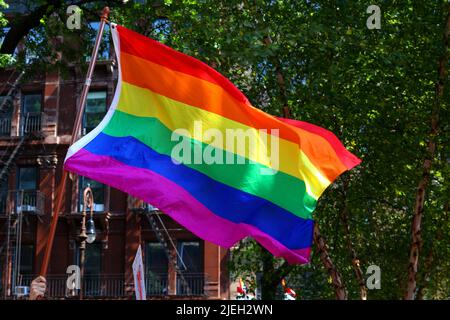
x,y
281,189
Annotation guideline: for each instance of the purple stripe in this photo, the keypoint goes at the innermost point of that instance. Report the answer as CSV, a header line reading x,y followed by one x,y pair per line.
x,y
176,202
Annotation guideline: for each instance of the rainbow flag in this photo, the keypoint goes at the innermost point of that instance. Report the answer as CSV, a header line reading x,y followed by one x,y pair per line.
x,y
173,138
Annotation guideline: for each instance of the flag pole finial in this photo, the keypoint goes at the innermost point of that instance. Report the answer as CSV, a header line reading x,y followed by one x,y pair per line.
x,y
105,13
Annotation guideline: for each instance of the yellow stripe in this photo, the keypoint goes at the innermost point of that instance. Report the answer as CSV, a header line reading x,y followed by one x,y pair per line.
x,y
177,115
211,97
315,182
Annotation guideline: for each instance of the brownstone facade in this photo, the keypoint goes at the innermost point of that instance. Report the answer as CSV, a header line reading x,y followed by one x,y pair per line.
x,y
35,128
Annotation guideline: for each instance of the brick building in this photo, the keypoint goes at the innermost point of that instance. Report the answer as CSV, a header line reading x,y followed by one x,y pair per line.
x,y
36,120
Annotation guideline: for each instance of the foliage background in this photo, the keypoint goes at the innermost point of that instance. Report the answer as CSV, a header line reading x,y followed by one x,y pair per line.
x,y
374,89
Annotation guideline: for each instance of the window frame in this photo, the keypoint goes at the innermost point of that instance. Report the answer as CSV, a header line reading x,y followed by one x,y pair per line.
x,y
157,280
201,253
33,258
23,114
194,278
18,178
85,113
98,207
7,116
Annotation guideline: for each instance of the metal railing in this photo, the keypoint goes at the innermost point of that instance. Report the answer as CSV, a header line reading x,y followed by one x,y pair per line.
x,y
25,201
191,284
5,125
31,122
113,285
103,285
93,285
156,284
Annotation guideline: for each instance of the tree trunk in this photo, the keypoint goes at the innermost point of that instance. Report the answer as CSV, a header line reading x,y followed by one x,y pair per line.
x,y
322,248
425,279
427,270
416,242
268,289
272,276
355,261
353,256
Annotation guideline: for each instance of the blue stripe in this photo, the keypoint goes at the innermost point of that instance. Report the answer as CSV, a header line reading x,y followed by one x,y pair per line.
x,y
225,201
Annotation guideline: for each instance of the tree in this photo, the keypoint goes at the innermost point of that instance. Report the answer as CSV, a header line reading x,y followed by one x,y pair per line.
x,y
375,89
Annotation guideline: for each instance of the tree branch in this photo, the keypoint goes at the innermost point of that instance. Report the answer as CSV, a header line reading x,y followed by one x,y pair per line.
x,y
336,277
351,249
416,225
22,25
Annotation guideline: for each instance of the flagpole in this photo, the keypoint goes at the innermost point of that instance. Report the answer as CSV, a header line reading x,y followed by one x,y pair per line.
x,y
75,133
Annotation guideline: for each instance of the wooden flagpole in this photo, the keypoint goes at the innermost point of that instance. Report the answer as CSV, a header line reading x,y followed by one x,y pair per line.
x,y
75,133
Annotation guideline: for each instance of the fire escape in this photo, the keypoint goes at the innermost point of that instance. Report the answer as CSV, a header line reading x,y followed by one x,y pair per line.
x,y
164,238
8,156
15,203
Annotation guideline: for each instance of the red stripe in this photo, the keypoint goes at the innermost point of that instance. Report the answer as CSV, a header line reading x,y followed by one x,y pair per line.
x,y
347,158
139,283
154,51
138,45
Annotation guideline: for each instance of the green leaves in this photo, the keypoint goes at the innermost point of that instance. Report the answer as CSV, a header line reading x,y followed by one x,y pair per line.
x,y
373,88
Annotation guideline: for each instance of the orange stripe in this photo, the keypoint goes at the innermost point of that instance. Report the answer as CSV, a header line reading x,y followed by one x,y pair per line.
x,y
211,97
140,46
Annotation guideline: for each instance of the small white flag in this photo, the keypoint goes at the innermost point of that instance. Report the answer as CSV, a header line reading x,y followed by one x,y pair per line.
x,y
138,274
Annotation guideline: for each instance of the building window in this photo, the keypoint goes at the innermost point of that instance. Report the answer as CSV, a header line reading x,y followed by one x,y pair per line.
x,y
92,285
93,259
157,268
5,116
94,111
98,189
3,196
26,259
27,178
190,281
103,50
31,113
26,196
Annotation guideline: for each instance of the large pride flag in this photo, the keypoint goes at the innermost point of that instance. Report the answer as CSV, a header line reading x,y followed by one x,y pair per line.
x,y
160,91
